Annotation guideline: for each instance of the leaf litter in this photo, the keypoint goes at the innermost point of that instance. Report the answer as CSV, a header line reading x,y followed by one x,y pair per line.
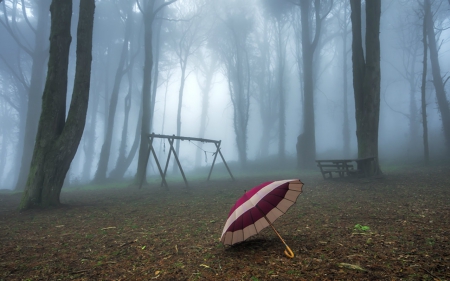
x,y
401,232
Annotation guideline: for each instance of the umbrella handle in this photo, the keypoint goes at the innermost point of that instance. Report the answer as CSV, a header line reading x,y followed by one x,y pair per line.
x,y
288,252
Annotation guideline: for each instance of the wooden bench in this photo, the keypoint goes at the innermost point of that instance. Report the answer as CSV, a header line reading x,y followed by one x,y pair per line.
x,y
342,167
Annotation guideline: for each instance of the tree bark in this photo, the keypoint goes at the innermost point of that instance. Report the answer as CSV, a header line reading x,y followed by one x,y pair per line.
x,y
281,56
39,57
346,125
426,154
148,14
366,81
441,97
57,139
307,151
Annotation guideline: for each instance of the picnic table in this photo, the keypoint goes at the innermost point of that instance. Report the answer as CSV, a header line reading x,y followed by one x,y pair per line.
x,y
343,167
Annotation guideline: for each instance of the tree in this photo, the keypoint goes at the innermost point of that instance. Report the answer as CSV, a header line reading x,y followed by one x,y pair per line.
x,y
441,96
306,147
344,24
206,68
35,86
122,68
264,77
366,81
185,42
409,41
124,160
57,138
233,46
278,12
426,153
149,12
89,134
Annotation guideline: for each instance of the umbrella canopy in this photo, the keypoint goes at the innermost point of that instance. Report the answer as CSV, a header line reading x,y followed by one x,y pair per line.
x,y
259,208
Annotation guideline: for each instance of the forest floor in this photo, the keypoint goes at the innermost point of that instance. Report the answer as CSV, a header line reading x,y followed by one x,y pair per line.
x,y
390,228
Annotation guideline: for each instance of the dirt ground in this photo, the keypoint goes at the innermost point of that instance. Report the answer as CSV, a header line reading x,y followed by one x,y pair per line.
x,y
390,228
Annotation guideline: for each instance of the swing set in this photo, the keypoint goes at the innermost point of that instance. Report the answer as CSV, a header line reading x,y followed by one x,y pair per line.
x,y
171,139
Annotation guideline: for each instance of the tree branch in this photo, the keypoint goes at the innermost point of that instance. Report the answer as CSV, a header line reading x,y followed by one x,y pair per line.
x,y
12,33
139,7
14,73
8,100
24,11
162,6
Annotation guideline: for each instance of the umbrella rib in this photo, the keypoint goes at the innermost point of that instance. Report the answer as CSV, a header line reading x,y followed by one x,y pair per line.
x,y
274,207
282,197
285,197
270,201
253,222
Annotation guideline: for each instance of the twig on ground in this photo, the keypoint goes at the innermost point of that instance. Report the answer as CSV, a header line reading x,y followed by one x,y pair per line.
x,y
109,227
434,276
79,271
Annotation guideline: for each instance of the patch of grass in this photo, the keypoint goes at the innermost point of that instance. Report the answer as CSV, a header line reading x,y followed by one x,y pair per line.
x,y
361,228
179,264
430,241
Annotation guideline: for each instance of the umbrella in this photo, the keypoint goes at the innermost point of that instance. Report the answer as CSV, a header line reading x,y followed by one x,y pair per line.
x,y
259,208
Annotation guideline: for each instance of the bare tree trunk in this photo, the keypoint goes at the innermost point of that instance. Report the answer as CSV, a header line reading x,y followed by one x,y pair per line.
x,y
183,63
437,78
119,171
3,137
57,138
208,73
146,93
102,167
148,14
157,49
39,57
232,47
89,138
184,47
307,150
366,81
124,160
426,154
265,94
346,125
281,54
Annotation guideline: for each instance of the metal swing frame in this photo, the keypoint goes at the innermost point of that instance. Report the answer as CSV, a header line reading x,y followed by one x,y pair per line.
x,y
171,140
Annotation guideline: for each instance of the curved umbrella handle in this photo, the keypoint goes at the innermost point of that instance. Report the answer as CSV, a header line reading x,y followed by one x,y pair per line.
x,y
288,252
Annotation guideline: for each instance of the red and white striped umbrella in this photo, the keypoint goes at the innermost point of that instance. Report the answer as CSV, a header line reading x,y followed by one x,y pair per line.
x,y
259,208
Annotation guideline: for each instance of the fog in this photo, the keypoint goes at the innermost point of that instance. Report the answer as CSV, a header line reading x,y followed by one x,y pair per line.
x,y
198,34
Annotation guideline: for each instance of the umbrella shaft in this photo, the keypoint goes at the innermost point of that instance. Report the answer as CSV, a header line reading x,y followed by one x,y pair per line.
x,y
271,225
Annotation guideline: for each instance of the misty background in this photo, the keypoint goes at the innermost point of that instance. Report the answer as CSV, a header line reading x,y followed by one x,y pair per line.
x,y
218,66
